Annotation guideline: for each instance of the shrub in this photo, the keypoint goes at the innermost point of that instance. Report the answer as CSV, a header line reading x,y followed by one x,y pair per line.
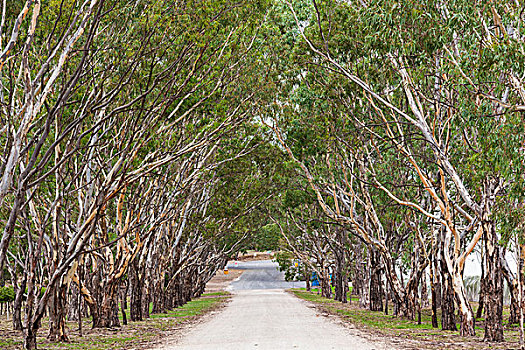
x,y
7,294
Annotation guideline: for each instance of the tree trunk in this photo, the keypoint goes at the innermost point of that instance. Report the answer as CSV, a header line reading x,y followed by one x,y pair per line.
x,y
124,304
74,307
376,285
341,286
105,314
324,281
338,278
30,339
402,299
307,280
356,283
341,278
145,301
521,266
135,307
514,317
362,282
448,317
433,292
157,295
481,297
344,287
17,305
418,311
493,285
387,296
512,283
326,290
439,293
57,315
424,291
434,306
467,315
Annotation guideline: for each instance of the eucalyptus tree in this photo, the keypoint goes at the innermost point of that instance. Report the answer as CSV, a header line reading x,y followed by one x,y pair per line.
x,y
86,135
327,148
346,198
310,241
402,61
38,77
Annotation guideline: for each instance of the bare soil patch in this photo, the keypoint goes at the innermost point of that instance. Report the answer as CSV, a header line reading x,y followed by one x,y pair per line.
x,y
221,281
403,333
255,256
135,335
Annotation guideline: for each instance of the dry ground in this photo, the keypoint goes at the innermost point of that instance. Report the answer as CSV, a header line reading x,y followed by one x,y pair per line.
x,y
255,256
221,281
136,335
406,334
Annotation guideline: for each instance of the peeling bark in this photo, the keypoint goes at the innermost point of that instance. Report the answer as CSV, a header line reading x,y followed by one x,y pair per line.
x,y
376,285
494,285
57,315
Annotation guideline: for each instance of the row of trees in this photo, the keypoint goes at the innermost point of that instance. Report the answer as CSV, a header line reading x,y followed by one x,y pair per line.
x,y
143,142
405,123
130,167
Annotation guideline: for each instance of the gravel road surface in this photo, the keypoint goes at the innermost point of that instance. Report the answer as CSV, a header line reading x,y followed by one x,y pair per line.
x,y
263,316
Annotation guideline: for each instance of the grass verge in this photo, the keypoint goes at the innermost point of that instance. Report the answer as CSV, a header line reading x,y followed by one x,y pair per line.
x,y
134,335
403,333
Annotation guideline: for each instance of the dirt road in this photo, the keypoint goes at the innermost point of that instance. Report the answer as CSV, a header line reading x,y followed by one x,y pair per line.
x,y
269,319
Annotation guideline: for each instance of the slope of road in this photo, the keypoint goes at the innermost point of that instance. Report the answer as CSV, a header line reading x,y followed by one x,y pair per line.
x,y
261,274
262,315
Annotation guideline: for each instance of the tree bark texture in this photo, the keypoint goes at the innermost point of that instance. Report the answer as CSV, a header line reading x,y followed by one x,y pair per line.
x,y
57,314
105,310
448,317
494,285
376,285
17,305
135,307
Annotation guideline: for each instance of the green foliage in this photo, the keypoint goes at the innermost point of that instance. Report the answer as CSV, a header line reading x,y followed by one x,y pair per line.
x,y
7,294
293,269
267,238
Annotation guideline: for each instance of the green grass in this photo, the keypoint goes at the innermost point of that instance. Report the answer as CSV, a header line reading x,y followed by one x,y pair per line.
x,y
310,296
365,317
380,320
9,343
194,308
135,335
317,290
418,336
221,293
